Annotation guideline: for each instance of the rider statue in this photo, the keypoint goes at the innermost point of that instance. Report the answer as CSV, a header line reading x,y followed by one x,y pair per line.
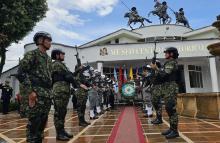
x,y
163,8
181,14
180,18
134,17
134,13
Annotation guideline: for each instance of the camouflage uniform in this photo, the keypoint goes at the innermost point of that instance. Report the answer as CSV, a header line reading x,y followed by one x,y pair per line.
x,y
169,90
24,101
156,100
34,75
61,94
82,96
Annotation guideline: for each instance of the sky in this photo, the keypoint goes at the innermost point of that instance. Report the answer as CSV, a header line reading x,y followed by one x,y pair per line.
x,y
75,22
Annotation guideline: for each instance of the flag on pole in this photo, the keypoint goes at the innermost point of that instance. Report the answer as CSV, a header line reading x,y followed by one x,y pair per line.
x,y
116,81
125,75
120,78
131,73
136,72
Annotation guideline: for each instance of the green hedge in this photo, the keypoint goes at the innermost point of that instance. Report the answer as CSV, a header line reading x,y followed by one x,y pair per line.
x,y
12,106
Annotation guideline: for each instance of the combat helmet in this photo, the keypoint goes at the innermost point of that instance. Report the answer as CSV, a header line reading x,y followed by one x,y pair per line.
x,y
172,50
56,52
43,34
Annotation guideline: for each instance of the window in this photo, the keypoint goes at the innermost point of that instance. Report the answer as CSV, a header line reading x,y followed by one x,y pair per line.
x,y
116,41
195,76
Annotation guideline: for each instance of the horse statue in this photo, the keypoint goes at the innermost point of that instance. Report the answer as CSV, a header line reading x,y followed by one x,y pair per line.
x,y
160,11
135,19
180,18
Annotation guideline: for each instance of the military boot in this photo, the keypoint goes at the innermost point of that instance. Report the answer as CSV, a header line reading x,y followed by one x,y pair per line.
x,y
172,134
82,123
157,121
61,136
166,132
67,134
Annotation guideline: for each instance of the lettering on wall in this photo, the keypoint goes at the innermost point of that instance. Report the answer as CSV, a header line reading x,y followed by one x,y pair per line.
x,y
149,50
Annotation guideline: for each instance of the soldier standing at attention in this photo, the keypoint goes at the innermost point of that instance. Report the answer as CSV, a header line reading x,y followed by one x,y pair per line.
x,y
62,78
34,74
168,75
82,94
157,94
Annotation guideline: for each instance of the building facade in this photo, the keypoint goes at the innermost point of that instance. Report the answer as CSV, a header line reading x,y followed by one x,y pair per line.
x,y
199,71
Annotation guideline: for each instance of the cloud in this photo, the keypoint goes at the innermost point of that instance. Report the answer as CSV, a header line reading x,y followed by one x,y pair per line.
x,y
60,21
102,7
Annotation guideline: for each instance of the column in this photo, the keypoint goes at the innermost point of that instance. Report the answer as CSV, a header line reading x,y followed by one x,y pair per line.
x,y
100,66
214,75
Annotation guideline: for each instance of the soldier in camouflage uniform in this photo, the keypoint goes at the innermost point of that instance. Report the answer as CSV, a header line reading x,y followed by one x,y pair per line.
x,y
82,94
157,95
35,79
170,89
62,78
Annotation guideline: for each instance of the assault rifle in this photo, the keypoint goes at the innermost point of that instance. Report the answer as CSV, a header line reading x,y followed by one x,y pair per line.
x,y
155,53
77,57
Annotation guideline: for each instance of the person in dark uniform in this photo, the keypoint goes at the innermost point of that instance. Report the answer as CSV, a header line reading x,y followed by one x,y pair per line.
x,y
62,78
169,90
6,96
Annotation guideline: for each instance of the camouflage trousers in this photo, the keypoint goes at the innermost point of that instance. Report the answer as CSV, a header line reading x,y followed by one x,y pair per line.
x,y
168,91
82,97
61,101
37,117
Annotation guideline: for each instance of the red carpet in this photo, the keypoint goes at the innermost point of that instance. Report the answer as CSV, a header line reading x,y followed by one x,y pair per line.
x,y
128,128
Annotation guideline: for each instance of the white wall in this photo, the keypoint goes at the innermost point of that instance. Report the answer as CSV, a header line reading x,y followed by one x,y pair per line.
x,y
203,36
206,76
14,83
70,53
218,69
163,30
127,40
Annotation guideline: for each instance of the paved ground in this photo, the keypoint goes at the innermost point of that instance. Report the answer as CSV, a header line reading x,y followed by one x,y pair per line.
x,y
12,129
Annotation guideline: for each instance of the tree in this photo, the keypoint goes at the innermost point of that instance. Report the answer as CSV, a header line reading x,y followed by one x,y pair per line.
x,y
17,18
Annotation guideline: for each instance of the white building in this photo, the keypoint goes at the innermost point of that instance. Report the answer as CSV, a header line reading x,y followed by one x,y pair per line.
x,y
200,71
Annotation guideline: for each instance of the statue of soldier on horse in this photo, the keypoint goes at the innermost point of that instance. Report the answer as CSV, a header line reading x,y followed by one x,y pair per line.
x,y
160,9
134,17
180,18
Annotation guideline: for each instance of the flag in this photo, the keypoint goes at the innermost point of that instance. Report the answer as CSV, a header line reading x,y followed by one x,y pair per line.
x,y
137,73
116,81
120,78
125,76
131,73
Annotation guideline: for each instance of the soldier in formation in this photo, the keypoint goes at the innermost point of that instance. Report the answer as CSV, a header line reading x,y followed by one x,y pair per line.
x,y
36,82
168,90
62,78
